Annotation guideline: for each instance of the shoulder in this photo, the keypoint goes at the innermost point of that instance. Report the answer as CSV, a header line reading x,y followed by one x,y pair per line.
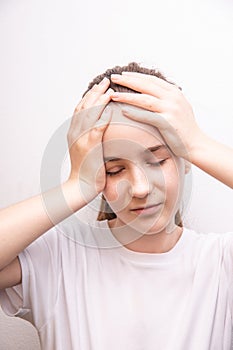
x,y
208,237
209,244
72,233
95,234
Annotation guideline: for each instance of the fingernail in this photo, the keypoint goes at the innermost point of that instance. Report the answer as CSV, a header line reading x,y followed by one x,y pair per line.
x,y
115,76
103,81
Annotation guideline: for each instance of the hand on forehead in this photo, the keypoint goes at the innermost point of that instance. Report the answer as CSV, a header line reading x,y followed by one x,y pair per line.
x,y
125,137
115,110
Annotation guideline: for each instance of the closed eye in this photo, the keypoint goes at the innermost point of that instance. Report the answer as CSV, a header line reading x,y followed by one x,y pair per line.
x,y
112,173
159,163
153,164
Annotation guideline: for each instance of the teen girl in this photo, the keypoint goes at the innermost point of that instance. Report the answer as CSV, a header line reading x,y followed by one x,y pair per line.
x,y
136,278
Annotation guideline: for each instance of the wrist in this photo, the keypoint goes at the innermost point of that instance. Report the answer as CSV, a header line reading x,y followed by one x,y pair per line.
x,y
78,193
72,194
197,145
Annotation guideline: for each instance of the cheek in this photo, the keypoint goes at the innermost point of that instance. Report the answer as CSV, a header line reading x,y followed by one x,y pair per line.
x,y
114,190
110,191
173,180
116,193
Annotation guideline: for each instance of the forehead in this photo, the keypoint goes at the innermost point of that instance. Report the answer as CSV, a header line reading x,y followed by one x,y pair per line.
x,y
124,135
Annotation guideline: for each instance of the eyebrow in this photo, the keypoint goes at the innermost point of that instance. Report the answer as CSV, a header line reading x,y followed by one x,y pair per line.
x,y
150,149
156,148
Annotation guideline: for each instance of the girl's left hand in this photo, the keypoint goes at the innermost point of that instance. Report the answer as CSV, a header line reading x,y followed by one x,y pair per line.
x,y
163,106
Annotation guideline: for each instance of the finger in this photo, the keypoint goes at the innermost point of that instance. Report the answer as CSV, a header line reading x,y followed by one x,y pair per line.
x,y
161,82
95,92
148,102
105,118
92,95
146,78
86,117
140,84
96,130
78,107
102,123
167,130
93,114
105,98
147,117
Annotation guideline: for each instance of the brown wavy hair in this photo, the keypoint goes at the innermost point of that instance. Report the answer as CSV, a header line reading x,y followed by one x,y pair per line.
x,y
106,212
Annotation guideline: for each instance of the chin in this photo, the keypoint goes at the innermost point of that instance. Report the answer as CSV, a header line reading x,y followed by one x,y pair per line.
x,y
148,224
143,225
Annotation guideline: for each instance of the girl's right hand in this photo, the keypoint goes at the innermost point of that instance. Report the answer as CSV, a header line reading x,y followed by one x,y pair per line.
x,y
88,125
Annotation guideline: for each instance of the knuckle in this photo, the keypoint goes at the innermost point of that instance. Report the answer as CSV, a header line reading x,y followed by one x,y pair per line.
x,y
175,99
175,107
95,88
70,135
176,93
96,131
103,99
148,102
83,107
77,108
174,87
75,114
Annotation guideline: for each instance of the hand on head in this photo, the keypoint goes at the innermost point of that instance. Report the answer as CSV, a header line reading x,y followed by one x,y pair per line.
x,y
159,103
85,135
162,105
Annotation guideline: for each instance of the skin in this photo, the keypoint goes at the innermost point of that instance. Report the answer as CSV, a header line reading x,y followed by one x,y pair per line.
x,y
161,105
18,226
169,111
137,178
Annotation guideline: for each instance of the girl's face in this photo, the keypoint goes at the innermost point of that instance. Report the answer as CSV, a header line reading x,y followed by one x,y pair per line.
x,y
144,179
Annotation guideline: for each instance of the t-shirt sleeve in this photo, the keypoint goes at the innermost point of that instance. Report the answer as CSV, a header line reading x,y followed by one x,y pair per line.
x,y
37,294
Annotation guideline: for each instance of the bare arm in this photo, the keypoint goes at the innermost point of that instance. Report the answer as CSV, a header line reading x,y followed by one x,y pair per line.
x,y
11,275
214,158
24,222
163,105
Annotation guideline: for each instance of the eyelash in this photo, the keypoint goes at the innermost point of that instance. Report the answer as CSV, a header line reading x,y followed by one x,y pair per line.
x,y
109,173
155,164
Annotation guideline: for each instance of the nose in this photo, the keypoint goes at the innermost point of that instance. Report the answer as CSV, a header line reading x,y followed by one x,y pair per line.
x,y
140,184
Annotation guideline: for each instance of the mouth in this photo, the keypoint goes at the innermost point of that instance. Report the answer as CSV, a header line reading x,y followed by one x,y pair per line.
x,y
147,210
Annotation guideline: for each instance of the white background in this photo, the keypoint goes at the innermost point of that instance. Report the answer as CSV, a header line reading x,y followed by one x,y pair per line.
x,y
51,49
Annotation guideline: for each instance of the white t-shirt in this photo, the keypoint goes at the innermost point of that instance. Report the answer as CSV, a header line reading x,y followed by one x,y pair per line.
x,y
84,291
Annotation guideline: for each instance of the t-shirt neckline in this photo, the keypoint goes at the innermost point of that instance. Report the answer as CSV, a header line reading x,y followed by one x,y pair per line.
x,y
168,257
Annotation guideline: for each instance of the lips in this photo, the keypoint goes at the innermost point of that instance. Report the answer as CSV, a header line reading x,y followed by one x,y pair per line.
x,y
148,209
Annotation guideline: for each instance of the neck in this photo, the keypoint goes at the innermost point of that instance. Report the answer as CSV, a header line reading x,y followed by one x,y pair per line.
x,y
157,243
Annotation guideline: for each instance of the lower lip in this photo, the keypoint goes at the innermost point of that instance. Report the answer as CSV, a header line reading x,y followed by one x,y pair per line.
x,y
148,211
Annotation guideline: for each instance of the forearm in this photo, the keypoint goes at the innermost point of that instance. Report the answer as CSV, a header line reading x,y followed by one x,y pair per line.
x,y
214,158
22,223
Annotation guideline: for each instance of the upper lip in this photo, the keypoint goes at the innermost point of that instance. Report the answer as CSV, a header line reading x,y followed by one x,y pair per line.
x,y
146,206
